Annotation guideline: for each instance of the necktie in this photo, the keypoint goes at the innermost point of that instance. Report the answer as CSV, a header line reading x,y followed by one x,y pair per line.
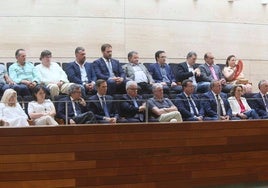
x,y
110,68
135,103
213,73
192,105
219,107
77,108
104,106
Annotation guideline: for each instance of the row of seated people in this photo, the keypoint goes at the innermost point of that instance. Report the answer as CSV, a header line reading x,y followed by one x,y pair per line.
x,y
101,108
24,76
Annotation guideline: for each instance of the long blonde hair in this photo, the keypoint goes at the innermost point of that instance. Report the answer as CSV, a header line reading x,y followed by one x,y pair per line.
x,y
7,95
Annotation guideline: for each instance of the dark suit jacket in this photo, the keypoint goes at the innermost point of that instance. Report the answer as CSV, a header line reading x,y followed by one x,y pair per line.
x,y
182,73
127,108
74,74
102,71
207,75
258,104
61,111
209,104
154,69
96,108
183,106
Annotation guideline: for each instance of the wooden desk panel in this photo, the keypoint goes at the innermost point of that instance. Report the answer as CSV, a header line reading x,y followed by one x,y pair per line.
x,y
134,155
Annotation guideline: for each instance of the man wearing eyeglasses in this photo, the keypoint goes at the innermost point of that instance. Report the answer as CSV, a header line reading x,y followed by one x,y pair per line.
x,y
132,106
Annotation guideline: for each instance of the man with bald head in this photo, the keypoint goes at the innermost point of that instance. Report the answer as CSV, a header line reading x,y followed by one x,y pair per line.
x,y
211,71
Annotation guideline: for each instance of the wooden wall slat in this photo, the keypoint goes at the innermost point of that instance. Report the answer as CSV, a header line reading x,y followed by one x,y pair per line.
x,y
150,155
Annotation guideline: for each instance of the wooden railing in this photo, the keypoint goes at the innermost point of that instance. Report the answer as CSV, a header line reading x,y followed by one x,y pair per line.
x,y
135,155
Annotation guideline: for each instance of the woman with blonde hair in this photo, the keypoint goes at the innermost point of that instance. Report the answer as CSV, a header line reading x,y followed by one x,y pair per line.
x,y
41,110
10,110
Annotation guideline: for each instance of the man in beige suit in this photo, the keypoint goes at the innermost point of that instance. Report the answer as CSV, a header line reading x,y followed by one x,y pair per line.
x,y
136,71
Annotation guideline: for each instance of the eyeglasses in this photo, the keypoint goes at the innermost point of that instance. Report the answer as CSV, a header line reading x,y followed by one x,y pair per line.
x,y
134,89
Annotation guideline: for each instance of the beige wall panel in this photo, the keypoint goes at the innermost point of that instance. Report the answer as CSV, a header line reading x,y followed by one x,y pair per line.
x,y
60,35
202,10
63,8
179,37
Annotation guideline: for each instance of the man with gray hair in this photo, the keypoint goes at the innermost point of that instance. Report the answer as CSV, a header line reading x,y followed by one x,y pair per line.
x,y
132,106
136,71
162,108
259,101
189,70
77,110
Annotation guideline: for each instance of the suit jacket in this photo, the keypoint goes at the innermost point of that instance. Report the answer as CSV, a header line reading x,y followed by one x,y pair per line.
x,y
183,73
258,104
74,73
235,105
207,75
130,73
61,110
183,106
96,108
154,69
209,104
127,108
102,71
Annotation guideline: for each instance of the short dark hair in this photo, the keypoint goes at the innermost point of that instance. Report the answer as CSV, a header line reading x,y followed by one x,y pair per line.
x,y
232,92
130,54
18,52
37,88
157,54
45,53
99,82
104,46
79,48
185,82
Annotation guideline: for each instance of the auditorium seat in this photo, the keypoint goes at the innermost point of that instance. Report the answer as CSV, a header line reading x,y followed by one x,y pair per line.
x,y
64,65
147,65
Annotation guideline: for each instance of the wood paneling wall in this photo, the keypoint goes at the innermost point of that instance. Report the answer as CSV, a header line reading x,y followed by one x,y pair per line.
x,y
221,27
134,155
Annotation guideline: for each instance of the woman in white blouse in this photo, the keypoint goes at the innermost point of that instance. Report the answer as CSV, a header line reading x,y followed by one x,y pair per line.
x,y
10,110
239,105
41,110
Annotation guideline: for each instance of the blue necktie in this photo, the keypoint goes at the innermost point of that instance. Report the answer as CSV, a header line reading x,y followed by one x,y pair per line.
x,y
104,106
135,103
193,106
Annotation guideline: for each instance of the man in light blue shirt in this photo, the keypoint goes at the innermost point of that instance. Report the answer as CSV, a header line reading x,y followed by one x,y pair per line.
x,y
23,73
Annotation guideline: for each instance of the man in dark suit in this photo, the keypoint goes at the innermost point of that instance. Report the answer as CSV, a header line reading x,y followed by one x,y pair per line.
x,y
110,70
190,70
77,111
102,105
215,103
259,101
188,104
132,107
162,73
210,72
81,72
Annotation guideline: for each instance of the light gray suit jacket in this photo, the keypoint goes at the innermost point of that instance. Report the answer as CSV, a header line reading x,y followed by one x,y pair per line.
x,y
207,75
130,73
